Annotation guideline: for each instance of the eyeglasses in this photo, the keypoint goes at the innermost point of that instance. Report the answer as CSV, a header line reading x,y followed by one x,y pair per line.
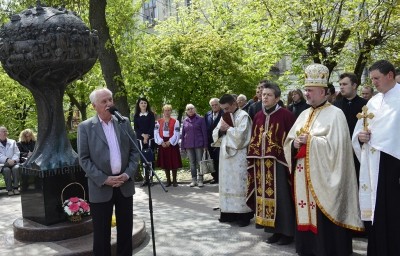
x,y
189,109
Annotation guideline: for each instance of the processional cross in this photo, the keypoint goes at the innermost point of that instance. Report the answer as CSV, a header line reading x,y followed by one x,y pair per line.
x,y
365,115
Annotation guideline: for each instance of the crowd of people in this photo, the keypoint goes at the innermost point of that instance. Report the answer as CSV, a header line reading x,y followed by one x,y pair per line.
x,y
313,172
316,172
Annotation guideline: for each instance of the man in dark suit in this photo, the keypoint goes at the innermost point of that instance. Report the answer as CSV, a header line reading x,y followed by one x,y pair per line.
x,y
212,118
351,104
257,106
110,161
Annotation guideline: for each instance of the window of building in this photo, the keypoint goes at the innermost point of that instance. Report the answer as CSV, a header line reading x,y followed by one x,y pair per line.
x,y
149,11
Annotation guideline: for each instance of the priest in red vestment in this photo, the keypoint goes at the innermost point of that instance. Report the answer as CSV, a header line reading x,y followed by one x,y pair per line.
x,y
269,190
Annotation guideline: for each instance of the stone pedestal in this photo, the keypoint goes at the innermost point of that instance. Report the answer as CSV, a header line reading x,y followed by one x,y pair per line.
x,y
42,192
30,231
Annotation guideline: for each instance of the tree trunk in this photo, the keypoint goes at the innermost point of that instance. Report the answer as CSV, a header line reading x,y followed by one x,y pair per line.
x,y
82,106
365,53
107,56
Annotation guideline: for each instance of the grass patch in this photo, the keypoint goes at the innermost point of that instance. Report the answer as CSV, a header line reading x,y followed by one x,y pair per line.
x,y
2,183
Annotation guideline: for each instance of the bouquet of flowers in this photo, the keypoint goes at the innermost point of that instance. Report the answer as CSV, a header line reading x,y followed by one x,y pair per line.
x,y
76,206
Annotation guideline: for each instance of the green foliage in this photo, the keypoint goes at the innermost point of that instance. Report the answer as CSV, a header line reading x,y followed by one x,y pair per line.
x,y
216,47
334,33
2,182
195,58
17,106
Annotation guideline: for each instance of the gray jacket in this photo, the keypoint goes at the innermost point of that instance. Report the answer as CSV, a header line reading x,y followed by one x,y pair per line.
x,y
94,158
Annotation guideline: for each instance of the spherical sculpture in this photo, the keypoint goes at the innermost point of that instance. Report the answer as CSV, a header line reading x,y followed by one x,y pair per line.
x,y
45,49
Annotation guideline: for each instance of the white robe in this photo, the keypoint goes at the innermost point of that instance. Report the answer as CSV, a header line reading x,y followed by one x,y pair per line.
x,y
328,168
233,164
384,127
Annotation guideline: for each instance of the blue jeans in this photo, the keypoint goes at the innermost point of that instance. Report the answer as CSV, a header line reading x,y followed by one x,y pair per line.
x,y
195,155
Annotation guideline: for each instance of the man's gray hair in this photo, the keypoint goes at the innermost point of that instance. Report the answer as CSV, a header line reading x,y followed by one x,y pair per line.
x,y
212,100
93,95
242,96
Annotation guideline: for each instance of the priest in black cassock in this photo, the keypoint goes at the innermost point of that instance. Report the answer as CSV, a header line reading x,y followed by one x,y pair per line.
x,y
351,104
377,145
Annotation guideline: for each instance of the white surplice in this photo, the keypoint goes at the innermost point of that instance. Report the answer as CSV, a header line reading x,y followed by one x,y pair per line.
x,y
384,127
233,163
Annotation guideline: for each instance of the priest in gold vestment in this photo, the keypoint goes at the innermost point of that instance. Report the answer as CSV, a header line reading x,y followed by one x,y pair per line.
x,y
319,151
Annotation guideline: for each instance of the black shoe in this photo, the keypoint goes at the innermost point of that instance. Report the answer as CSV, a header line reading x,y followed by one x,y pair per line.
x,y
225,220
175,184
213,182
243,223
285,240
274,238
168,184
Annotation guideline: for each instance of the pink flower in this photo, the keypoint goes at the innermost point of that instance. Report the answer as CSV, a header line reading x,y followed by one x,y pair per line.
x,y
74,207
74,199
85,206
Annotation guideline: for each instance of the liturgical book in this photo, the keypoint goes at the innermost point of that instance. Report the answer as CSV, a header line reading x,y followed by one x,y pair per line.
x,y
228,118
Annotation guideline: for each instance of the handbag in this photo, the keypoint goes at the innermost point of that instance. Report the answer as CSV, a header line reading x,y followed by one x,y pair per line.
x,y
206,163
148,154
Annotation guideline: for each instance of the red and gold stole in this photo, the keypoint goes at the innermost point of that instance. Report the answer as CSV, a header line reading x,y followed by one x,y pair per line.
x,y
265,149
305,205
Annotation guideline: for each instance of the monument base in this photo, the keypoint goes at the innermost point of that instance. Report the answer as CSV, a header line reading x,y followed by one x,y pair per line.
x,y
82,245
42,192
30,231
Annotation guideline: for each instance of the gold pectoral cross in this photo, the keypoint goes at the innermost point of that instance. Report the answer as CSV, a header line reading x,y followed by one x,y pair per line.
x,y
365,115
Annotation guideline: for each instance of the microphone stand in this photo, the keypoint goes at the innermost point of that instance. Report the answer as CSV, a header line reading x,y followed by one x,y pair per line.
x,y
151,172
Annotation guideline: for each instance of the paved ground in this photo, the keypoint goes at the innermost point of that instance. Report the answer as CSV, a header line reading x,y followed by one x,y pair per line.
x,y
185,224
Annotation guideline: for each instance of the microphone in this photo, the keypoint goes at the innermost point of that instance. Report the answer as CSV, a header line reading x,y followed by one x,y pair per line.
x,y
114,111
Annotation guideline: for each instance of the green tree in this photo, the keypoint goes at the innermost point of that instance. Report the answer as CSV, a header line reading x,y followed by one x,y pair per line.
x,y
333,33
194,56
107,55
17,106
